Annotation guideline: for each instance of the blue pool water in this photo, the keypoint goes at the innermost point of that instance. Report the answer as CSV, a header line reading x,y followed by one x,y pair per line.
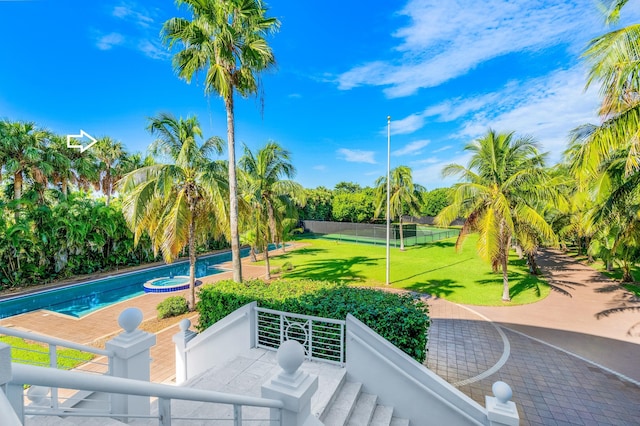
x,y
78,300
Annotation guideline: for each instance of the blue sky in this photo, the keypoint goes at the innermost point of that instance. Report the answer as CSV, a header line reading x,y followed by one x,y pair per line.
x,y
444,71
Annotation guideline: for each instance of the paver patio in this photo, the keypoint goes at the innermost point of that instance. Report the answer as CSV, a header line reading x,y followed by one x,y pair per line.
x,y
548,345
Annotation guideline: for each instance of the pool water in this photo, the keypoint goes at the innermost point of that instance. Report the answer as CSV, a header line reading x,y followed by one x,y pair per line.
x,y
170,282
78,300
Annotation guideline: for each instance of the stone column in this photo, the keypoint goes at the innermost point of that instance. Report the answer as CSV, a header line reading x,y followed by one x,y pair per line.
x,y
131,361
181,339
293,387
501,411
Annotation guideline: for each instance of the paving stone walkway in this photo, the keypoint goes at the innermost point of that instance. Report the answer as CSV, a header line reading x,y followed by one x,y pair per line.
x,y
565,363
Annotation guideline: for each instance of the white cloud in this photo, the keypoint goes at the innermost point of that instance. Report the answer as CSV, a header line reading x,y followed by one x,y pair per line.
x,y
295,96
320,167
431,175
106,42
135,13
411,148
547,109
356,155
444,148
152,49
445,40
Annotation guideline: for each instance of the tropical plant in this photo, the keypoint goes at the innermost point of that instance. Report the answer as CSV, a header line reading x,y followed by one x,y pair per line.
x,y
109,155
227,41
504,182
21,155
179,202
76,168
268,195
614,62
404,196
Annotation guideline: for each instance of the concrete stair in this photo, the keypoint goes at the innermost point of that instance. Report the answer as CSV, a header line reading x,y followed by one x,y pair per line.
x,y
336,402
352,407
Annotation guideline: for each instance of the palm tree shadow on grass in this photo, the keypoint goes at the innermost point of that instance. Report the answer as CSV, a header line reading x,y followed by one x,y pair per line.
x,y
332,269
309,251
521,282
435,288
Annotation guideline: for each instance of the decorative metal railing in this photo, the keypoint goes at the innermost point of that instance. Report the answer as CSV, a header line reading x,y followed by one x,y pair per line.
x,y
323,339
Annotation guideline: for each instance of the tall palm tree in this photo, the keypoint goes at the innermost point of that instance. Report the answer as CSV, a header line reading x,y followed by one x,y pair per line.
x,y
504,181
74,167
22,145
179,202
265,190
404,196
226,40
109,155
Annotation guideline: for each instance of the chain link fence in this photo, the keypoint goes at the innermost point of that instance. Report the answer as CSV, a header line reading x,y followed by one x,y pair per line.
x,y
369,233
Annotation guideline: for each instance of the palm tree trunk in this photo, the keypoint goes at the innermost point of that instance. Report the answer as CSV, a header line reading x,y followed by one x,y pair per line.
x,y
17,191
233,191
505,276
192,264
266,262
401,235
107,188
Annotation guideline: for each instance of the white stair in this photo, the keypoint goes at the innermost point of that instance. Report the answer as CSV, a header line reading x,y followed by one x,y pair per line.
x,y
352,407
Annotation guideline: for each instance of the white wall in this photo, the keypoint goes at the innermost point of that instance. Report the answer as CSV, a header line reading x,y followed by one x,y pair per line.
x,y
413,390
223,341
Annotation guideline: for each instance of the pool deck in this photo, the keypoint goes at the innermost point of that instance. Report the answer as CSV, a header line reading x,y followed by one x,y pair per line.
x,y
100,324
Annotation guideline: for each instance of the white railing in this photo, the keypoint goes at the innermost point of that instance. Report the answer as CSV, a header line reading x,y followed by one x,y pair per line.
x,y
47,377
321,338
102,362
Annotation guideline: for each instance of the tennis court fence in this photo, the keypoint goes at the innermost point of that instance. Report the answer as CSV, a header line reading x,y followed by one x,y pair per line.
x,y
369,233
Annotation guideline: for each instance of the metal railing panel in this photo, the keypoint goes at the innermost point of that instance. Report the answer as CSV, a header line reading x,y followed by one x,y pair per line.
x,y
321,338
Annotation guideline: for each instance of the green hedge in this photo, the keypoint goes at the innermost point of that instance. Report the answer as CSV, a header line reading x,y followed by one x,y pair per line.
x,y
401,319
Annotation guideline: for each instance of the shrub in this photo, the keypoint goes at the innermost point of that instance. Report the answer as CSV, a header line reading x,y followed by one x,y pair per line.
x,y
172,307
401,319
287,266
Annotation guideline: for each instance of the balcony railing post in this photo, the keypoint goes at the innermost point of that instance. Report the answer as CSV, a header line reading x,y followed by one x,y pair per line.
x,y
181,340
53,363
13,392
237,415
131,361
164,411
293,387
501,411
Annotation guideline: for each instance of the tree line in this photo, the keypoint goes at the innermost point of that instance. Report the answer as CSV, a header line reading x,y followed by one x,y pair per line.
x,y
184,197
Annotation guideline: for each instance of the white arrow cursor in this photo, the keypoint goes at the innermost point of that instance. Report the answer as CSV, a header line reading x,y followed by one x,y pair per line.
x,y
82,134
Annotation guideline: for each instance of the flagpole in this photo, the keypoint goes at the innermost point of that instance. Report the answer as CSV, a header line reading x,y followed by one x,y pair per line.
x,y
388,190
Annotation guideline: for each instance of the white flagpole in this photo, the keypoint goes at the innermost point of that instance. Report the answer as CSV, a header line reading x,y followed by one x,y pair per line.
x,y
388,190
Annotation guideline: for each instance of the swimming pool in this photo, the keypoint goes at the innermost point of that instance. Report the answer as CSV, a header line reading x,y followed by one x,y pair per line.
x,y
78,300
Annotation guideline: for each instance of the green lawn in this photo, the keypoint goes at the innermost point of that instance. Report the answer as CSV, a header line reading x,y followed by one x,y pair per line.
x,y
434,268
33,353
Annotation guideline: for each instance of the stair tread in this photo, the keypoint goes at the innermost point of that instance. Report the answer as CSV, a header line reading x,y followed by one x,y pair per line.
x,y
343,404
363,411
396,421
382,416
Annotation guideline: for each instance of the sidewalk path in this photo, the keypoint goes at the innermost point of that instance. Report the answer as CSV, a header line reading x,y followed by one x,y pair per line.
x,y
586,313
551,353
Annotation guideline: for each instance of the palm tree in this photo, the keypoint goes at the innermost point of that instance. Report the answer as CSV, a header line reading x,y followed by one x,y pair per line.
x,y
227,40
22,145
109,155
404,196
614,61
180,202
504,181
267,193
